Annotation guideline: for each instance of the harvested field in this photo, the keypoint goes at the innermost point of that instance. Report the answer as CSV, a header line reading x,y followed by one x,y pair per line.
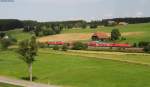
x,y
70,37
66,37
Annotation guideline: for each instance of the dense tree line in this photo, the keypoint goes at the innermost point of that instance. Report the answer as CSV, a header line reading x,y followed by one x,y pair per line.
x,y
43,30
29,25
69,24
129,20
9,24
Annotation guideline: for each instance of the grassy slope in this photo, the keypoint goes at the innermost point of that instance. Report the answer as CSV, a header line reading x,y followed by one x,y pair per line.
x,y
140,58
129,28
19,34
7,85
77,71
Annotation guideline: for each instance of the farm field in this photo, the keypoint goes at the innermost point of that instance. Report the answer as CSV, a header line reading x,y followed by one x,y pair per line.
x,y
130,30
133,33
7,85
137,58
78,70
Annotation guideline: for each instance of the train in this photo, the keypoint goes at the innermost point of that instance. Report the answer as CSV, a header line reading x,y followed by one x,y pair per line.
x,y
93,44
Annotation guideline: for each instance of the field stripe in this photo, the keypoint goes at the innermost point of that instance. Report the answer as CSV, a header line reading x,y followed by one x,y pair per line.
x,y
88,55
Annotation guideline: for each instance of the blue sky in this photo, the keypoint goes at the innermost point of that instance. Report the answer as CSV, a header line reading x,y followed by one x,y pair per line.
x,y
57,10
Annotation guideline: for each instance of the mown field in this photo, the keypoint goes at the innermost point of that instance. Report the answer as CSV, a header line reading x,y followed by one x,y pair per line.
x,y
7,85
70,70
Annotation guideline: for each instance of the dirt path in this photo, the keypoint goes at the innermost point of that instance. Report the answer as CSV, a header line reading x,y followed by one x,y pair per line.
x,y
22,82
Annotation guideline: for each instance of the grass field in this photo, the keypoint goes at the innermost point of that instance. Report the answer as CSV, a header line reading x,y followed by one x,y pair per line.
x,y
84,68
19,34
78,71
145,28
7,85
133,33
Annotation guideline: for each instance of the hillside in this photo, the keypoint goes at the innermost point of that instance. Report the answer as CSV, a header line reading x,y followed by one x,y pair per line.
x,y
133,33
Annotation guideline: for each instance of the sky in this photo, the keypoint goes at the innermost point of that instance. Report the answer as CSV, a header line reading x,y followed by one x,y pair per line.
x,y
61,10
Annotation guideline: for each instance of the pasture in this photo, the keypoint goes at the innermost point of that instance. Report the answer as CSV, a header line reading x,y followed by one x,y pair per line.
x,y
70,69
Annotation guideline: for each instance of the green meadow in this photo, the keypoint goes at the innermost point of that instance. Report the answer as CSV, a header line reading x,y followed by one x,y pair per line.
x,y
83,68
78,70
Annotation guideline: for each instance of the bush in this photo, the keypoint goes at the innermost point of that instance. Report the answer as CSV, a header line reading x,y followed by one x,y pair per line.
x,y
143,44
79,46
147,48
12,39
134,45
65,47
115,34
42,45
56,47
48,31
2,34
123,38
5,43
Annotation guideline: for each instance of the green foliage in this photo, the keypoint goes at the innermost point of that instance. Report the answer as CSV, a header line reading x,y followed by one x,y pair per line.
x,y
12,39
147,48
28,28
143,43
5,43
48,31
42,45
115,34
93,25
123,38
28,50
2,34
56,28
9,24
37,30
56,47
79,46
65,47
134,44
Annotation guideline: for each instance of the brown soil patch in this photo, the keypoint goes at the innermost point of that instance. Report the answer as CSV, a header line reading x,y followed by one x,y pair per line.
x,y
66,37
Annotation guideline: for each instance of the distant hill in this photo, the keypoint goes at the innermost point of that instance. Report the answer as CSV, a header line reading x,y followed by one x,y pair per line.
x,y
9,24
129,20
